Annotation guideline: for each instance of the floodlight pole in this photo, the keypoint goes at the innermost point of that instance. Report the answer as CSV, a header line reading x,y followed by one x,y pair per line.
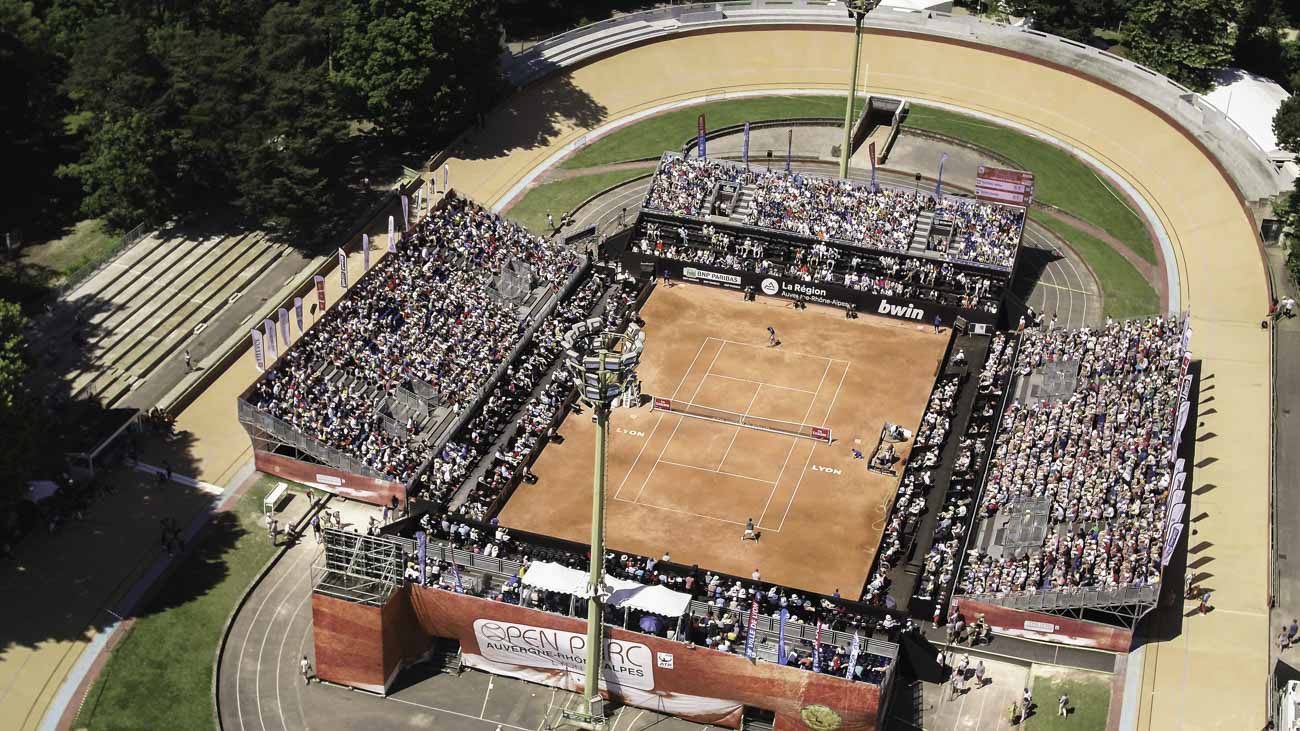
x,y
858,10
595,611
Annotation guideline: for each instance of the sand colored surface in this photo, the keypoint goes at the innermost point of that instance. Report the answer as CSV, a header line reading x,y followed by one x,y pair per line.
x,y
1199,680
1221,273
688,485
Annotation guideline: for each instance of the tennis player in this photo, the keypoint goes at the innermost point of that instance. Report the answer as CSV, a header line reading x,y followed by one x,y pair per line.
x,y
771,337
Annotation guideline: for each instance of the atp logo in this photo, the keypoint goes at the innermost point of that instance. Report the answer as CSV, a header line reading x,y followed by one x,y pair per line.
x,y
770,287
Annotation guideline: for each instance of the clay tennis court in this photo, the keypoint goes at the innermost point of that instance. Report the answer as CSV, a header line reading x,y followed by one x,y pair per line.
x,y
687,486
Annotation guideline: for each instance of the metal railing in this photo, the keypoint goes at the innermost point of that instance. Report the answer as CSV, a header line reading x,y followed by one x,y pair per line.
x,y
1040,601
357,567
285,433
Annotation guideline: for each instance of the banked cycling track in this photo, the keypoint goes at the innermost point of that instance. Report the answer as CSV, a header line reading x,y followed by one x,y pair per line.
x,y
1213,675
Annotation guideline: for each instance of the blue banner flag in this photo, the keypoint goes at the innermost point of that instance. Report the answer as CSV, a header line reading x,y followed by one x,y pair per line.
x,y
422,546
789,149
455,574
700,146
780,635
744,151
817,649
938,186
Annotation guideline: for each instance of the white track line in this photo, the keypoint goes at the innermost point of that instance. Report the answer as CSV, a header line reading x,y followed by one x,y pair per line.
x,y
803,474
500,724
239,667
736,434
679,422
717,472
279,658
653,429
266,633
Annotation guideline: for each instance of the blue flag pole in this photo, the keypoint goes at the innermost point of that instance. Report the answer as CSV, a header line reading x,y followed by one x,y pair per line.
x,y
744,152
938,186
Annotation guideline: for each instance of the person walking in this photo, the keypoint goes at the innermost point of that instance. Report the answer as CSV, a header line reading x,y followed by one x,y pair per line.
x,y
1291,631
979,674
189,363
771,337
938,323
1204,607
274,530
315,527
550,221
306,668
1063,706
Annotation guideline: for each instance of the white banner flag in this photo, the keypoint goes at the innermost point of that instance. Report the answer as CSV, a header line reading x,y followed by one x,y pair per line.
x,y
406,220
297,311
1176,515
259,355
392,242
343,269
284,327
365,253
1175,533
272,349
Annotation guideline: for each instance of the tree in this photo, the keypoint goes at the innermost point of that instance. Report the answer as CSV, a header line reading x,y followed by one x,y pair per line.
x,y
19,420
1186,40
1286,125
120,174
420,65
291,145
1074,19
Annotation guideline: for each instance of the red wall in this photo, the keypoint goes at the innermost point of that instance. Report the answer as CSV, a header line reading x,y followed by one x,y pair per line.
x,y
347,484
362,646
1063,630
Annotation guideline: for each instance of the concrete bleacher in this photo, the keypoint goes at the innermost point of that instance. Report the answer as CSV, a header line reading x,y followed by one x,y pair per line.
x,y
147,304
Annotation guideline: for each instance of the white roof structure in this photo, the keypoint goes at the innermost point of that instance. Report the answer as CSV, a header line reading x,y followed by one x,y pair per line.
x,y
622,593
938,6
1251,101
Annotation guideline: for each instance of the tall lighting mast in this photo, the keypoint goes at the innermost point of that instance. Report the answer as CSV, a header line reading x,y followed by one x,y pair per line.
x,y
604,365
858,10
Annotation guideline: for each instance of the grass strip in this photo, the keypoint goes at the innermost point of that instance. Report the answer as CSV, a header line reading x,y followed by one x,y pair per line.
x,y
560,196
1061,179
1089,700
651,137
160,676
1127,293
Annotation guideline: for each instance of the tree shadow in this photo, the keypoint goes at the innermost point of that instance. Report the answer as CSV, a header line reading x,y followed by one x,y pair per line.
x,y
533,118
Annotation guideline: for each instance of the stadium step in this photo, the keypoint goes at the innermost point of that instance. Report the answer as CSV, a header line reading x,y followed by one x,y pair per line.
x,y
744,202
921,234
201,297
125,325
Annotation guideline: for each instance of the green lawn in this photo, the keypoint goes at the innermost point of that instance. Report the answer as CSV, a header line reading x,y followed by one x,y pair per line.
x,y
1127,292
79,252
160,676
1089,698
559,197
1061,179
649,138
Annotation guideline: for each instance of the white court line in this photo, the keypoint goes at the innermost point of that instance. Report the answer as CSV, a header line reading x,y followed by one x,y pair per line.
x,y
761,383
679,422
794,443
682,512
783,350
803,474
716,472
738,427
655,428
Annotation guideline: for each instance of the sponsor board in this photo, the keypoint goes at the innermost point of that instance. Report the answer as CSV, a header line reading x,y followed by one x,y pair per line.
x,y
625,663
822,433
903,311
730,280
663,404
997,185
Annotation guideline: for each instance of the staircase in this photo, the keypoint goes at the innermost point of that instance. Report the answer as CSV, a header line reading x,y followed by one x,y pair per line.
x,y
921,234
744,203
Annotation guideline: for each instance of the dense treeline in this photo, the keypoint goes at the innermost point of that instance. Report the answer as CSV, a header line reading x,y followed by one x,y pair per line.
x,y
158,110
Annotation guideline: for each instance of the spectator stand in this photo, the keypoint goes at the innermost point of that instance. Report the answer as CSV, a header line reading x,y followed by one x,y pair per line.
x,y
1027,525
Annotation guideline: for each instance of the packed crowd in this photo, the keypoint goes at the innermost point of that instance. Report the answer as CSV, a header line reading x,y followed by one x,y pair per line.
x,y
534,416
828,209
1100,458
983,232
958,513
720,624
425,312
894,276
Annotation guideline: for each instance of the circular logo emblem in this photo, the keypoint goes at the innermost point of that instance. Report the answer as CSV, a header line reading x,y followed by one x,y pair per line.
x,y
820,718
770,286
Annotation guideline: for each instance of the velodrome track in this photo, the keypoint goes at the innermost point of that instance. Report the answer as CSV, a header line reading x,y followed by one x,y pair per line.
x,y
1212,675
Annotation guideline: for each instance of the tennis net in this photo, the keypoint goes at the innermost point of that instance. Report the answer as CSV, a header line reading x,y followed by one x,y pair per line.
x,y
793,428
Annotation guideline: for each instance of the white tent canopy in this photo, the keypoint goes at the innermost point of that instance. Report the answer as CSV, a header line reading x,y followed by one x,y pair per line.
x,y
621,593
